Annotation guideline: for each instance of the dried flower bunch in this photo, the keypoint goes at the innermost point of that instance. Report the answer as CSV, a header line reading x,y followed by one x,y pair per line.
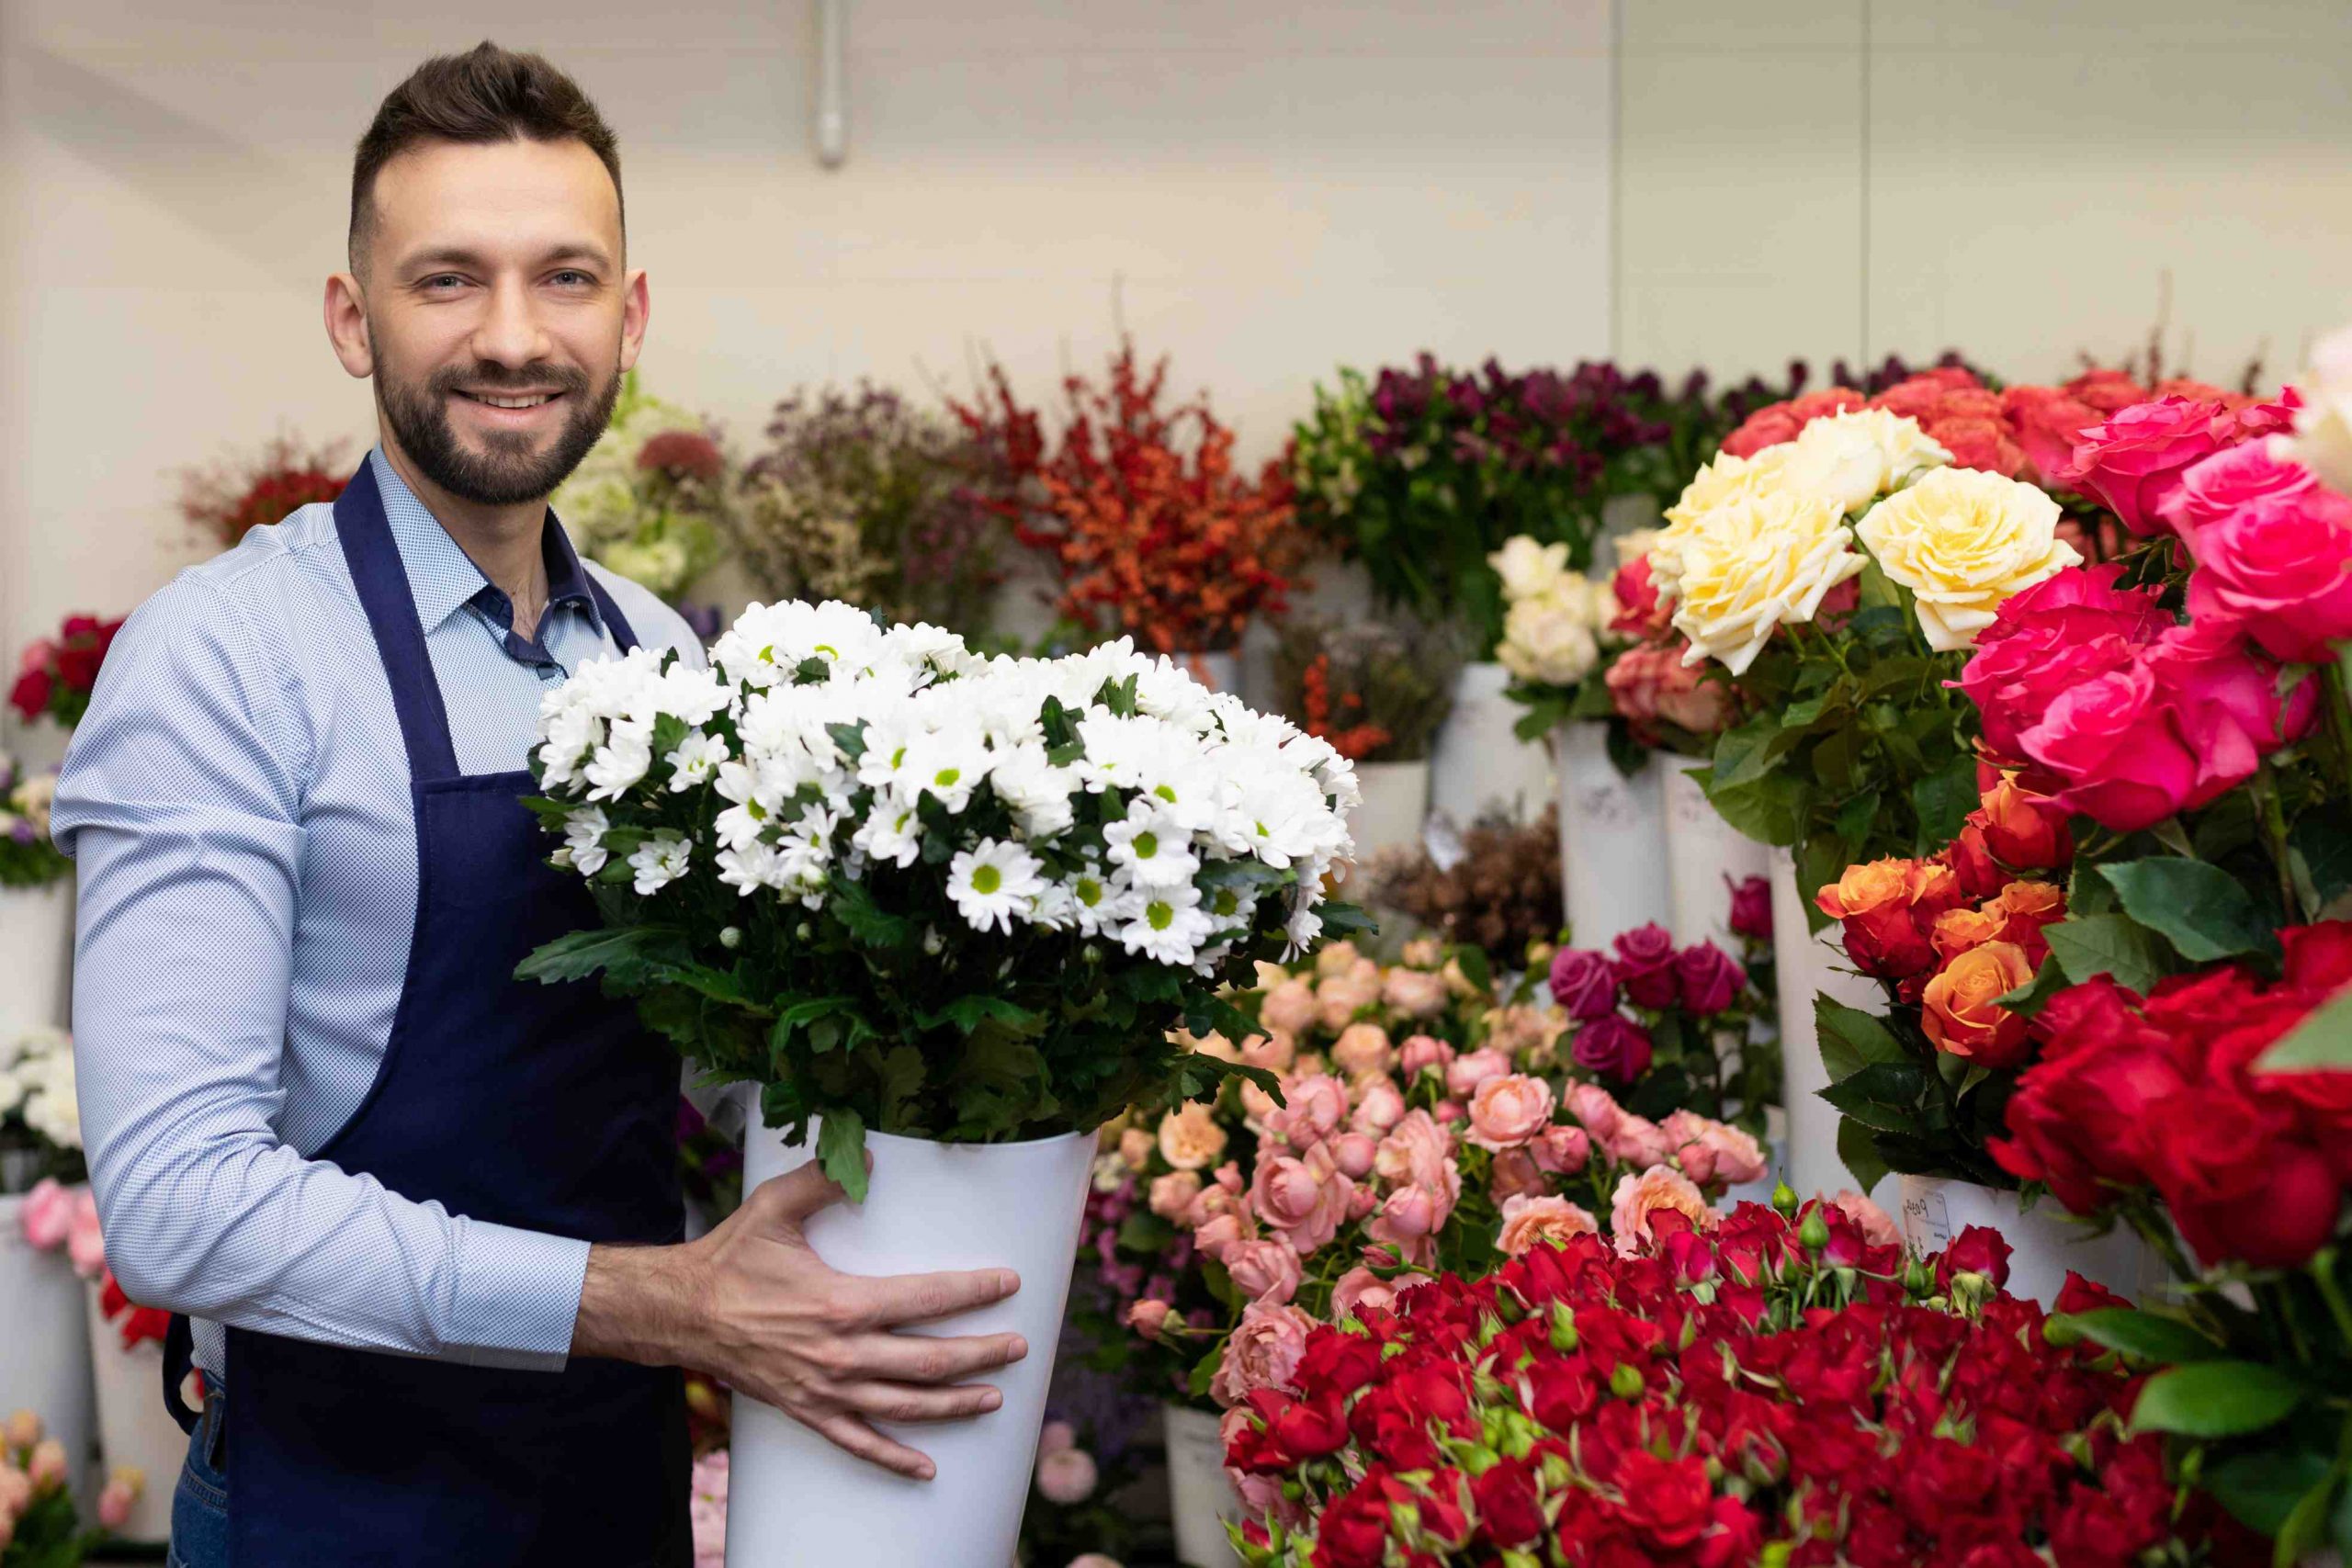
x,y
1503,895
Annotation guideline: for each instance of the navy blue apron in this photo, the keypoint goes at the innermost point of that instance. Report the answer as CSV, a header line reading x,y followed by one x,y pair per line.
x,y
544,1107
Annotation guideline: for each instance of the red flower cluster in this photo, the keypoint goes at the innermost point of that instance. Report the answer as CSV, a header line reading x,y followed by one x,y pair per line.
x,y
57,674
288,475
1768,1386
137,1323
2162,1094
1354,742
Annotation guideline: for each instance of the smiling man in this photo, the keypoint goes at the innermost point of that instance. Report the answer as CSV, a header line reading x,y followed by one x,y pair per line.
x,y
425,1218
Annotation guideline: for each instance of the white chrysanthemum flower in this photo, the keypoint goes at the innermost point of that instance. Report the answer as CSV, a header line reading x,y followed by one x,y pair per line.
x,y
584,840
748,868
946,766
753,804
1168,925
892,832
1100,901
694,760
620,763
992,882
1150,845
659,861
1032,789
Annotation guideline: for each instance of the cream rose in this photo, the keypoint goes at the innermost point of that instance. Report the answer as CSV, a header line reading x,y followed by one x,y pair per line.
x,y
1751,568
1550,640
1962,540
1190,1138
1506,1111
2323,439
1854,457
1529,1221
1724,482
1528,570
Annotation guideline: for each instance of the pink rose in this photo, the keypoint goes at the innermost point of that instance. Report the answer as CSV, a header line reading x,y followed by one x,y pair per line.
x,y
1596,1110
1533,1222
2052,636
1411,1217
1877,1229
1360,1290
1273,1052
2047,420
2225,705
1218,1234
1065,1476
1379,1107
1313,1108
1708,979
1637,1140
1709,1150
1363,1201
1353,1153
1056,1435
1644,966
83,1245
1463,1078
1448,1112
1562,1150
1134,1148
47,1216
1290,1007
1739,1158
1416,1150
1416,993
1506,1111
1257,1105
1616,1048
1648,1207
1422,1051
1172,1194
1685,696
2132,464
2111,739
115,1499
47,1467
1148,1317
1514,1172
1340,998
1361,1048
2222,483
1263,1352
1641,614
1264,1270
2280,567
1302,1197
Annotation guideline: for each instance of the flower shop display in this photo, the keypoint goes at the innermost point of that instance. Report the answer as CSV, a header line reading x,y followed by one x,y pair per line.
x,y
39,1526
1136,502
1498,888
1776,1391
45,1353
226,501
36,904
942,908
653,499
1078,1516
55,674
865,497
1376,690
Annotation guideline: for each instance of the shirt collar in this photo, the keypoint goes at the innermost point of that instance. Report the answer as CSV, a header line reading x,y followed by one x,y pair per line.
x,y
442,578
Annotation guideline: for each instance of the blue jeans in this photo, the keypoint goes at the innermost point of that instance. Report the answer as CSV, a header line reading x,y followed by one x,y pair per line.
x,y
200,1503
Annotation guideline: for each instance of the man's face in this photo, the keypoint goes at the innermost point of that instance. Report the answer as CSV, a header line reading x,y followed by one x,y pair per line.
x,y
497,309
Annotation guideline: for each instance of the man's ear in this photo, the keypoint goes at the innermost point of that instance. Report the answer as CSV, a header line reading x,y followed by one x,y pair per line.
x,y
347,317
636,306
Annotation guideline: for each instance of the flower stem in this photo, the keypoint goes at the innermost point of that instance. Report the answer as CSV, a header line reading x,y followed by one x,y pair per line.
x,y
2274,829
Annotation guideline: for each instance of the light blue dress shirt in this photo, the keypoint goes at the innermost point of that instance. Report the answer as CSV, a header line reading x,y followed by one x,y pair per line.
x,y
237,802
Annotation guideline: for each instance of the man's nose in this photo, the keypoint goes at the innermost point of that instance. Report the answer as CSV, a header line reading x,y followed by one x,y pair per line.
x,y
510,332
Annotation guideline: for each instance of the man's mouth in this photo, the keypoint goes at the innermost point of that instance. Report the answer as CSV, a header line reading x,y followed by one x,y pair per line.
x,y
508,399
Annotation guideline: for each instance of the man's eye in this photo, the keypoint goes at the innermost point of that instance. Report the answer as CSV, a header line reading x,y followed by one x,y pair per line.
x,y
573,278
444,282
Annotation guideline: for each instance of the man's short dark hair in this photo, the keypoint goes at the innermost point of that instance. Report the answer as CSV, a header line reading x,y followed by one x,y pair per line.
x,y
486,94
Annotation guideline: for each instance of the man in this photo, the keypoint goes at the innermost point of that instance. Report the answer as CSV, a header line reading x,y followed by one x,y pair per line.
x,y
427,1217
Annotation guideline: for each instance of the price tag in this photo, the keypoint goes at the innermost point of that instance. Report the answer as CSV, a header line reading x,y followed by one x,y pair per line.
x,y
1926,1221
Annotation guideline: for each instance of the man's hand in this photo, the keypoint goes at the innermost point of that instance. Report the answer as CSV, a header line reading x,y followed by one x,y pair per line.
x,y
754,1306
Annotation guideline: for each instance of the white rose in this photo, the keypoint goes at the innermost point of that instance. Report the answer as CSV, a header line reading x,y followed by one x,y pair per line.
x,y
1550,640
1529,569
1856,456
1963,540
2323,439
1753,566
1632,544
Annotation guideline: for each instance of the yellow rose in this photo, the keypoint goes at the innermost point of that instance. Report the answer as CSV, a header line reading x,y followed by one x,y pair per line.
x,y
1756,565
1726,479
1962,540
1856,456
1528,570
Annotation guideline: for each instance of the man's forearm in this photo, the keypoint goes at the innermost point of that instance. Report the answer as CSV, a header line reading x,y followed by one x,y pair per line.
x,y
638,1304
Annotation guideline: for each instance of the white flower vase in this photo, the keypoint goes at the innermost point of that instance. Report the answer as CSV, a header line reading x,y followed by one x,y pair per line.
x,y
1806,964
1476,763
36,934
134,1429
1201,1497
45,1347
1702,850
1613,840
1395,800
793,1499
2046,1243
1217,672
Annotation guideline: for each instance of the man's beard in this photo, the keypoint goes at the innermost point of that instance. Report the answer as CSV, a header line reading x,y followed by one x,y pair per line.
x,y
509,472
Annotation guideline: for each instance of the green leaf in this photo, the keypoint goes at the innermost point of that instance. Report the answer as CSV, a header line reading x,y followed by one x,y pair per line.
x,y
1858,1149
1203,1374
1944,799
624,951
1144,1231
866,922
2260,1489
2306,1524
2323,1039
2323,837
2029,999
1883,1095
968,1012
2145,1336
2089,946
2215,1399
1852,1039
840,1149
2203,910
1771,810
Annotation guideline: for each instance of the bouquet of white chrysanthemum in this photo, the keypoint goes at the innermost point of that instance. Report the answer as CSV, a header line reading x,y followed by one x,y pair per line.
x,y
41,1119
910,888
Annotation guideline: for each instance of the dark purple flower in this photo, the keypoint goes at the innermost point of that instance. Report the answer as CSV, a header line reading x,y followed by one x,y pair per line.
x,y
1616,1048
1584,984
1751,908
1644,966
1708,978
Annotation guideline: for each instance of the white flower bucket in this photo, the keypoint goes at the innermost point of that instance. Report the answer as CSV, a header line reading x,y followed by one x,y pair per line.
x,y
795,1501
1702,850
1806,964
37,936
1613,840
45,1347
1476,763
1395,800
2046,1243
1217,672
1200,1494
134,1429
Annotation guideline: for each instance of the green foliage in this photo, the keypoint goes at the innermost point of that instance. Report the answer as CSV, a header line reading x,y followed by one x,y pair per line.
x,y
2216,1399
1907,1106
2090,946
2204,911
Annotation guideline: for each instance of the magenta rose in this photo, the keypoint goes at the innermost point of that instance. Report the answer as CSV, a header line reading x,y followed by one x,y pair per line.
x,y
2112,740
1708,978
2281,567
2225,704
2221,484
2053,636
1751,907
1584,984
1614,1047
1644,966
2132,464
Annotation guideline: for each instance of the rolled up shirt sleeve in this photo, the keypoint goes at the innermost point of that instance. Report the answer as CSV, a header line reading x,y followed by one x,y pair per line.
x,y
181,803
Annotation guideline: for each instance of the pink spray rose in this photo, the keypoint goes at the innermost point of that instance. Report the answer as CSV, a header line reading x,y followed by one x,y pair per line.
x,y
1274,1051
115,1499
2236,476
1148,1317
1264,1270
1379,1106
1065,1476
1353,1153
1363,1048
84,1244
1290,1007
1595,1110
1562,1150
2132,464
1506,1111
1654,1204
1709,1150
1134,1148
1190,1137
2279,567
1422,1051
1877,1229
1411,1217
1360,1290
1416,1149
1637,1140
1416,993
1312,1108
1302,1197
1263,1352
2112,740
1340,998
1172,1194
1515,1172
1463,1078
1534,1222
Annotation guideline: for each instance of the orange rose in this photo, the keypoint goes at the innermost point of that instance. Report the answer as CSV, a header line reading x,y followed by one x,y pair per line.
x,y
1957,930
1934,887
2026,908
1867,888
1879,904
2026,830
1957,1006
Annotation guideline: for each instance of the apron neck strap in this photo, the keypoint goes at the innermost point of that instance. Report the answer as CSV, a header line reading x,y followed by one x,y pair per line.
x,y
375,571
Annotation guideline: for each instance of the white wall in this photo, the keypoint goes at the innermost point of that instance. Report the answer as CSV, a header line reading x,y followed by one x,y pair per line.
x,y
1266,188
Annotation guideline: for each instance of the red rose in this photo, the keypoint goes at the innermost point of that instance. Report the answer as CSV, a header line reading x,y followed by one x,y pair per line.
x,y
2111,739
2097,1015
1972,861
29,695
2050,638
2046,420
2277,568
2237,1189
1353,1531
2319,958
2109,392
1669,1501
1734,1535
2133,463
1979,444
2077,1121
2079,1294
1644,966
1510,1508
1977,1249
77,666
